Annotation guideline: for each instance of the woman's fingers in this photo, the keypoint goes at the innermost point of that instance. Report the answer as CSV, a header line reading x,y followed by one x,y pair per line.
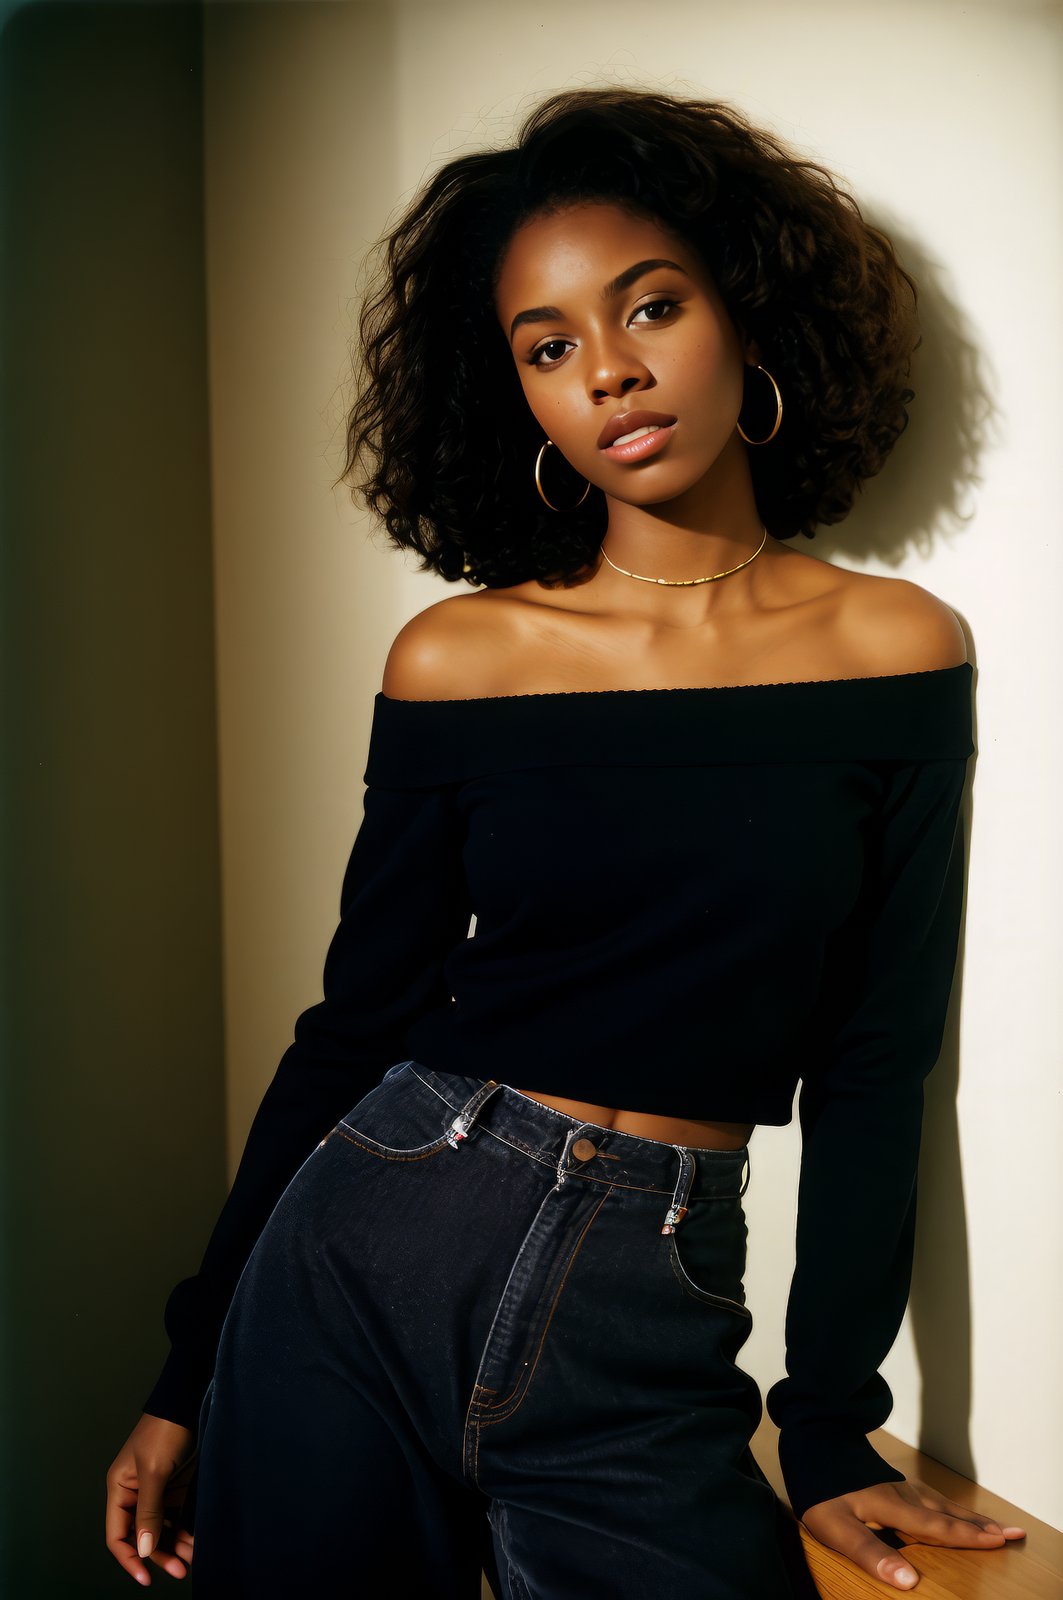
x,y
149,1516
988,1523
131,1500
146,1487
835,1524
118,1523
919,1513
154,1530
933,1518
184,1545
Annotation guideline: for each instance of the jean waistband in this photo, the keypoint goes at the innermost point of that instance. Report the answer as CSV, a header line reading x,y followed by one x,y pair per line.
x,y
587,1149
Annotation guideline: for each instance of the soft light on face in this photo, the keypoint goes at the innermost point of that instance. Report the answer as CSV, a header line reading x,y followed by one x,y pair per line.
x,y
610,315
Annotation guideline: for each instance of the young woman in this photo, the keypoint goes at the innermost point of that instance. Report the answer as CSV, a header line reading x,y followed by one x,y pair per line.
x,y
476,1296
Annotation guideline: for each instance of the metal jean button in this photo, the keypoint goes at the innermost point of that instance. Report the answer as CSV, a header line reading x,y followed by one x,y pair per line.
x,y
583,1150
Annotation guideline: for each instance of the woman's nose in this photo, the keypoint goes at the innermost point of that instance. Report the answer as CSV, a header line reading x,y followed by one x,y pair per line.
x,y
616,374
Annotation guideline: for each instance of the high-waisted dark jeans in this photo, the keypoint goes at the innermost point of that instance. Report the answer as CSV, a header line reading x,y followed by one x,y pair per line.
x,y
469,1336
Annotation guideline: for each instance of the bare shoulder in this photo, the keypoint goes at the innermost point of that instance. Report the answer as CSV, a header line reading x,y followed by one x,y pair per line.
x,y
444,651
893,625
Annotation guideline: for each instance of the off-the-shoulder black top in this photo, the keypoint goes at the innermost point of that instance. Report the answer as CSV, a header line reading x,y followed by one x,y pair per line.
x,y
686,901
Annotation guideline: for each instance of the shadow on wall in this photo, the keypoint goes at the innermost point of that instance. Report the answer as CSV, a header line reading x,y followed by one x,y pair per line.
x,y
927,488
927,492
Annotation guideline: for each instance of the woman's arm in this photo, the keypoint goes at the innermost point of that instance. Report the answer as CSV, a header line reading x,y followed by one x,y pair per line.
x,y
861,1118
887,981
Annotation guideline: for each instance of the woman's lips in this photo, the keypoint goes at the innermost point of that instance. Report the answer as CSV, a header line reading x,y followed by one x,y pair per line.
x,y
640,444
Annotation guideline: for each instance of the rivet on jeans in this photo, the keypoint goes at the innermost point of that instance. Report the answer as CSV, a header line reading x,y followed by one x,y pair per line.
x,y
458,1130
673,1218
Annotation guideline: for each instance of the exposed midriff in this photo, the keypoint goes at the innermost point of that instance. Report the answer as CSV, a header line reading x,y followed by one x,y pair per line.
x,y
669,1130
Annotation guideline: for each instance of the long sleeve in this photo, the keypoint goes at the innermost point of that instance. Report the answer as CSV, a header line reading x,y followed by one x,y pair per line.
x,y
403,907
886,993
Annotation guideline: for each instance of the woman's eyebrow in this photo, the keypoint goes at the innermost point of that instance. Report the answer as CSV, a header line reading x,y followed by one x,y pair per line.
x,y
617,285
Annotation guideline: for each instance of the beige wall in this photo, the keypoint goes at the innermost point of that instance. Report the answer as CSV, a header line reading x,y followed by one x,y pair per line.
x,y
944,117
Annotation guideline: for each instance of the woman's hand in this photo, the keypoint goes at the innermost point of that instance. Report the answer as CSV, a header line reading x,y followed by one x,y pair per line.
x,y
146,1486
918,1512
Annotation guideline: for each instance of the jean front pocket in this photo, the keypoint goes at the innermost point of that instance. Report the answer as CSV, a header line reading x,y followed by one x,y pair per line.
x,y
401,1119
708,1252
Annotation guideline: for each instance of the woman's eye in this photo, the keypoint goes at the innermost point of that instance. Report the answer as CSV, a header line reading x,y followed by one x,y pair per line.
x,y
553,351
556,346
660,307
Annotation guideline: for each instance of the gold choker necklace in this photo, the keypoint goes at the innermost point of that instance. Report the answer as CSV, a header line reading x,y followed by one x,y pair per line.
x,y
679,582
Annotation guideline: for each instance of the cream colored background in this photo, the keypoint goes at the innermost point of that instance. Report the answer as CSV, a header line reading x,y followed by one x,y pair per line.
x,y
320,120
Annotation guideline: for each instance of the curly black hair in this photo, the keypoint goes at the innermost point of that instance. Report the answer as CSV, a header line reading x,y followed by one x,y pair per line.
x,y
440,421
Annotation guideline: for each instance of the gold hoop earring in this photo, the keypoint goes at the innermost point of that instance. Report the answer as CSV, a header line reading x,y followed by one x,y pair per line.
x,y
538,482
778,411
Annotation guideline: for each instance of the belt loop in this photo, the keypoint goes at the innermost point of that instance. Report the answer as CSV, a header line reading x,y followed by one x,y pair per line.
x,y
459,1128
678,1208
748,1175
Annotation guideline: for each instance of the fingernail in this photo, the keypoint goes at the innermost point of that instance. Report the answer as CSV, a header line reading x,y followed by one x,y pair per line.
x,y
144,1543
905,1575
1016,1533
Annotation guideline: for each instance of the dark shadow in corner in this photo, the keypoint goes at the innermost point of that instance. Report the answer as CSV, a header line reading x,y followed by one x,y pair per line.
x,y
112,1138
113,1151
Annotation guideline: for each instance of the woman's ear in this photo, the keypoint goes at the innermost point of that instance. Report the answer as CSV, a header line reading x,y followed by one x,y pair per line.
x,y
751,349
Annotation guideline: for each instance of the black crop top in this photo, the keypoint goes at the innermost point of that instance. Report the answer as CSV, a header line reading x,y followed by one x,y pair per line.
x,y
686,900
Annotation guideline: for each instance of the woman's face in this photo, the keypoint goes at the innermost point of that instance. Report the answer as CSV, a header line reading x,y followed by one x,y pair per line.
x,y
616,326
